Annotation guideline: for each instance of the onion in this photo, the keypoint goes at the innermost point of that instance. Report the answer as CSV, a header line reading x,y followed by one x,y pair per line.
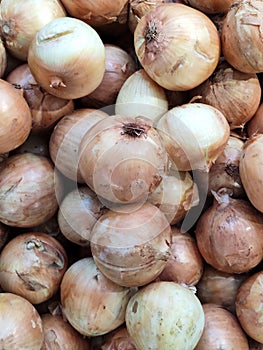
x,y
78,212
178,46
92,303
249,306
251,167
127,146
21,325
163,314
3,59
237,95
27,190
141,96
221,331
120,65
241,34
18,28
118,340
194,135
255,124
98,13
224,173
45,108
15,118
131,248
67,58
59,334
66,137
32,266
175,196
211,6
218,287
229,234
4,233
185,266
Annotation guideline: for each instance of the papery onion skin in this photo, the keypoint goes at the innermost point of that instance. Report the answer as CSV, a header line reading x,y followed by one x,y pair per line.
x,y
28,190
77,65
15,120
249,306
241,34
229,235
211,6
92,303
21,325
250,169
222,330
255,124
32,266
178,46
18,29
185,129
163,314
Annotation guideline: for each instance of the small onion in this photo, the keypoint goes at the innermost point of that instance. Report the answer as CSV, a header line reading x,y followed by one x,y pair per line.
x,y
249,306
28,190
118,340
140,95
67,58
60,335
237,95
250,168
211,6
255,124
241,39
15,118
185,266
45,108
21,325
222,330
18,28
131,248
32,266
91,303
119,66
163,314
66,137
178,46
127,146
229,234
78,212
194,135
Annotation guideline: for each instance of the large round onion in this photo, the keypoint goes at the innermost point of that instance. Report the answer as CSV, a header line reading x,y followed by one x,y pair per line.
x,y
163,314
251,168
194,135
178,46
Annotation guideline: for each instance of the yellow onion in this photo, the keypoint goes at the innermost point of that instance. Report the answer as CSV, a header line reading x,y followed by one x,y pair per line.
x,y
229,234
126,146
222,330
255,124
250,168
92,303
18,28
3,59
241,39
163,314
15,118
118,340
77,214
178,46
28,189
131,246
67,58
119,66
4,233
237,95
185,265
98,13
32,266
211,6
194,135
65,139
45,108
59,334
141,96
249,306
21,325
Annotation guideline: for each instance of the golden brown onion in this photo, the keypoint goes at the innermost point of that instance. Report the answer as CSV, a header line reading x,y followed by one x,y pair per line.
x,y
211,6
255,124
177,46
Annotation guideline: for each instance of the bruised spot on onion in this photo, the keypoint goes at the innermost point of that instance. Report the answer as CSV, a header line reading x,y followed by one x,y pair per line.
x,y
135,307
